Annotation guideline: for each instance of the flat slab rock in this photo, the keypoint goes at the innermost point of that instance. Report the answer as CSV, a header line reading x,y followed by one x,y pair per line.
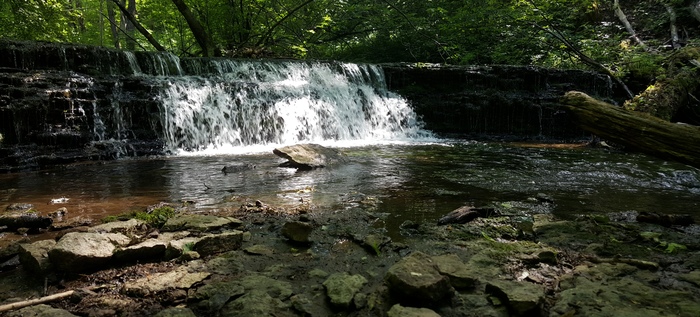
x,y
180,278
309,156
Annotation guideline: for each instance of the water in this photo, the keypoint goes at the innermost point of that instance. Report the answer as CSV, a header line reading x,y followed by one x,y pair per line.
x,y
419,182
246,104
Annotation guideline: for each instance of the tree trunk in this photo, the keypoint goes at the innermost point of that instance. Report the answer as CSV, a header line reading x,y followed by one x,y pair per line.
x,y
675,40
138,26
636,131
695,10
111,15
628,26
130,26
200,34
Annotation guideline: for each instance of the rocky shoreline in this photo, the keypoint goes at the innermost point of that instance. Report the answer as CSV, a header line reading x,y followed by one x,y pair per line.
x,y
304,261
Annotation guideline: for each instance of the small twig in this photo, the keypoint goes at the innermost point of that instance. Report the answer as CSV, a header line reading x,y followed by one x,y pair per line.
x,y
45,299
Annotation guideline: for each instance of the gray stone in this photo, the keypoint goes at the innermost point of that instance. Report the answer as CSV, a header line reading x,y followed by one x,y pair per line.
x,y
297,231
85,251
200,223
309,156
41,310
179,246
156,283
400,311
176,312
215,295
219,243
523,298
259,249
146,251
452,266
256,303
35,256
277,289
129,227
415,280
307,305
342,287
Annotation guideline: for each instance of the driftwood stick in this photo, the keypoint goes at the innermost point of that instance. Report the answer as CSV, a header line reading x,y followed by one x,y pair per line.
x,y
46,299
36,301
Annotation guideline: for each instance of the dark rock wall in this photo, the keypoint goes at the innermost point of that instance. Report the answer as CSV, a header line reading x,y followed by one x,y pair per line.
x,y
65,103
519,101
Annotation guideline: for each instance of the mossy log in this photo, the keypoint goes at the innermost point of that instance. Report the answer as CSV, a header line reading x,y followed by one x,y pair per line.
x,y
636,131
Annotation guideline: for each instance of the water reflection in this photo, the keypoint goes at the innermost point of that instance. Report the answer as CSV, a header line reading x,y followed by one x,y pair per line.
x,y
406,182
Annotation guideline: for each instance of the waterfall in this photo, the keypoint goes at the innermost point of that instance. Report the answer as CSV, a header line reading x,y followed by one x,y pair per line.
x,y
233,104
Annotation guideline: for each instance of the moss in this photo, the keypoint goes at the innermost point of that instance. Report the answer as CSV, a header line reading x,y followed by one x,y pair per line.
x,y
155,218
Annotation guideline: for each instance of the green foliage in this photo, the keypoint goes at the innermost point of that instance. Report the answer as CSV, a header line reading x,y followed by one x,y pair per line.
x,y
155,218
669,247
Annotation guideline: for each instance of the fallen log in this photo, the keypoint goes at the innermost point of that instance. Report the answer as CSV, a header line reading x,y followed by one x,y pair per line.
x,y
636,131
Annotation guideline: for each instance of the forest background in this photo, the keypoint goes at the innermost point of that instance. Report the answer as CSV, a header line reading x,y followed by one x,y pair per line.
x,y
646,46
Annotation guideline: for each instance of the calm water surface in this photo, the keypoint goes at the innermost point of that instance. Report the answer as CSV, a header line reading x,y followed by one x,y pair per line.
x,y
419,182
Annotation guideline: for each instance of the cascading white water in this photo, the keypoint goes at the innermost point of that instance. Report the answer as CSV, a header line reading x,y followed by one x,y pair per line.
x,y
248,103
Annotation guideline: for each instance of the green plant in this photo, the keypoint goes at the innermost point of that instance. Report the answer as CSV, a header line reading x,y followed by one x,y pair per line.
x,y
188,247
157,217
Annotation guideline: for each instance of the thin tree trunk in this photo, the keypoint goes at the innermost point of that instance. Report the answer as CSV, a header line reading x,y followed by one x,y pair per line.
x,y
675,40
111,15
623,18
200,34
138,26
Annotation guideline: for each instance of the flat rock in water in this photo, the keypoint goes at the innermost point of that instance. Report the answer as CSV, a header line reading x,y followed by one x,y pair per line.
x,y
126,227
180,278
24,219
309,156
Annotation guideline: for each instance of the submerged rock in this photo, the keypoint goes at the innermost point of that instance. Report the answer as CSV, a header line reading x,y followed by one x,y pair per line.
x,y
309,156
237,168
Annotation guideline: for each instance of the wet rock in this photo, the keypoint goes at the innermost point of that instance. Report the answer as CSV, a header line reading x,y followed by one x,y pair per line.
x,y
213,296
618,290
692,277
309,156
400,311
374,242
219,243
19,207
277,289
665,220
156,283
58,214
304,304
230,263
259,249
200,223
31,219
128,227
10,264
297,231
342,287
415,280
179,246
85,251
73,222
175,312
147,251
466,214
523,299
237,168
256,303
41,310
452,266
35,256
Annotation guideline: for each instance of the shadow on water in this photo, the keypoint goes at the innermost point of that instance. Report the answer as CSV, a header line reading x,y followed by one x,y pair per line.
x,y
404,182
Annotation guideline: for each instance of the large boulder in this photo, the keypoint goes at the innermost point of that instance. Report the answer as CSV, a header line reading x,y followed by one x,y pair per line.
x,y
85,251
309,156
415,280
